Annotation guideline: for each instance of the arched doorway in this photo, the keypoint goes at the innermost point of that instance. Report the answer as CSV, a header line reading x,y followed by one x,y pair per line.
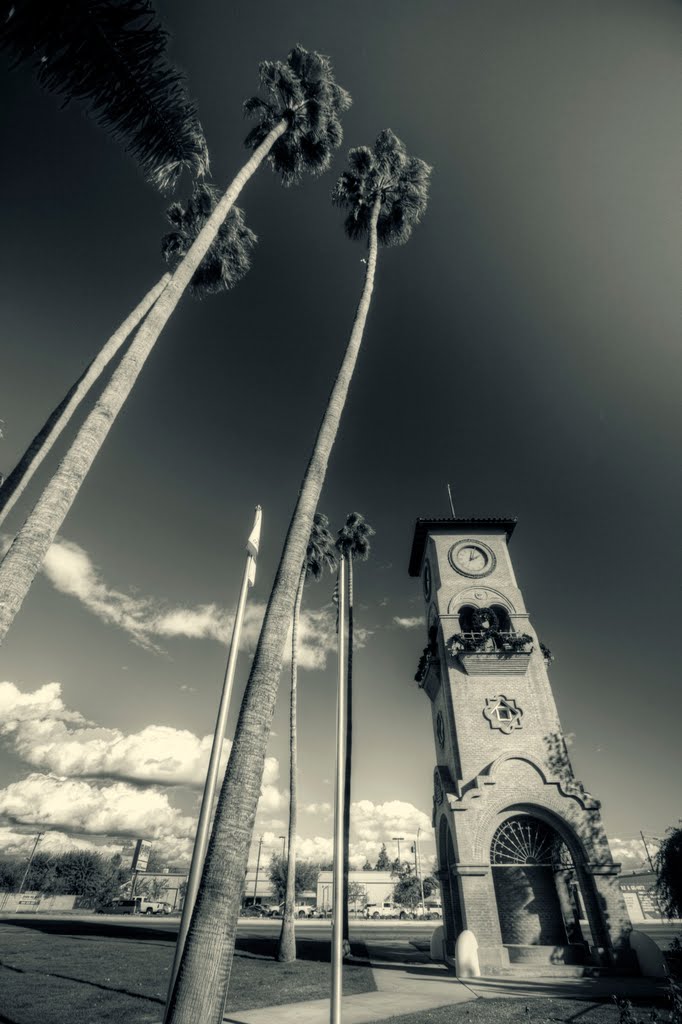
x,y
529,861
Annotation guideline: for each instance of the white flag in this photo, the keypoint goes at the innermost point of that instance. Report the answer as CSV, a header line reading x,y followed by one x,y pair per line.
x,y
252,546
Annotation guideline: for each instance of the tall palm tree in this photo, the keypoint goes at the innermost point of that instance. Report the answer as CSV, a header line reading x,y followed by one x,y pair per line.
x,y
352,542
386,193
320,555
18,480
110,56
232,250
298,130
214,274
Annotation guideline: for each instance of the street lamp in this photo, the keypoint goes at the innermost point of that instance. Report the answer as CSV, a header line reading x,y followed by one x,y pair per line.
x,y
398,840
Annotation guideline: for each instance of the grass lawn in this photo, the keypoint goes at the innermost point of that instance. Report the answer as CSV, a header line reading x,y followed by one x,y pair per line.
x,y
535,1011
82,972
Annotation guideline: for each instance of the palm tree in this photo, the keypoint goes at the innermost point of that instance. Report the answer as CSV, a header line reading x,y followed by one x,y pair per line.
x,y
298,129
320,555
16,482
352,542
111,57
386,193
232,251
213,275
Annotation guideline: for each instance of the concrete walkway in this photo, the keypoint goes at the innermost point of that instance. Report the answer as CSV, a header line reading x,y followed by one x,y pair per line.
x,y
410,988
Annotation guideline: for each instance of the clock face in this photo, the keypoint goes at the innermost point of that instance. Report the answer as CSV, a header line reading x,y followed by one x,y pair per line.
x,y
472,558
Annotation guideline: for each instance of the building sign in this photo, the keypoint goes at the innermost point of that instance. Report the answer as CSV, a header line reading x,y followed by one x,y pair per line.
x,y
640,901
29,899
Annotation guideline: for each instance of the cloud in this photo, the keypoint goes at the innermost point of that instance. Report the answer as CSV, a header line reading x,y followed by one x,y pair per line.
x,y
147,620
409,622
20,844
321,809
47,735
631,853
375,822
87,808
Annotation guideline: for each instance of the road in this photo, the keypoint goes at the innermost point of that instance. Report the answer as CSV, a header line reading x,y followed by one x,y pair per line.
x,y
387,934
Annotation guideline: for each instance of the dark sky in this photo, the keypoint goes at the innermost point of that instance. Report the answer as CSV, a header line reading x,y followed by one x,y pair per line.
x,y
523,345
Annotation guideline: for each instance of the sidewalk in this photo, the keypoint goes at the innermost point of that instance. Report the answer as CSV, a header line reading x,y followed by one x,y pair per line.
x,y
410,988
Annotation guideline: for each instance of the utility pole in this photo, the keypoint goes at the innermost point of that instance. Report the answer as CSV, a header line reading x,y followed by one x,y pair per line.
x,y
651,863
255,884
398,840
28,867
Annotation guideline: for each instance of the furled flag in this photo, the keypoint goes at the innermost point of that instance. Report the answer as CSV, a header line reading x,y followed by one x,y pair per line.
x,y
252,546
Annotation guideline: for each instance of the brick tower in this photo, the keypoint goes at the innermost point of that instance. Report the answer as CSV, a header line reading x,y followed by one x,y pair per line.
x,y
523,860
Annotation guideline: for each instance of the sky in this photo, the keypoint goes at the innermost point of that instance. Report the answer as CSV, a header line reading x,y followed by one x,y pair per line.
x,y
523,346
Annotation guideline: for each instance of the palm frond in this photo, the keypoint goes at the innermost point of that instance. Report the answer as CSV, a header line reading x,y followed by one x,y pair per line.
x,y
352,540
387,172
302,90
321,551
110,55
228,259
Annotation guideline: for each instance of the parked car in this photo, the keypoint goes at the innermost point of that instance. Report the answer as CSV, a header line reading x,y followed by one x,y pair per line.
x,y
386,909
255,910
138,905
300,910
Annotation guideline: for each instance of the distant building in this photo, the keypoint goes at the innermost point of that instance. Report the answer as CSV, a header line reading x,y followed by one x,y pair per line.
x,y
378,886
170,880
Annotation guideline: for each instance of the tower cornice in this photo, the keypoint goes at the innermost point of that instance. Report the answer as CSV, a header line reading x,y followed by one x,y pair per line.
x,y
423,527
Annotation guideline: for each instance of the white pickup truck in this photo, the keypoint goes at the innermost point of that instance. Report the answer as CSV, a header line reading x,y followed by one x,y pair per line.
x,y
139,905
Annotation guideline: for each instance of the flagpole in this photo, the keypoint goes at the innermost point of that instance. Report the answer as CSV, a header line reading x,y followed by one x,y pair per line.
x,y
204,824
337,898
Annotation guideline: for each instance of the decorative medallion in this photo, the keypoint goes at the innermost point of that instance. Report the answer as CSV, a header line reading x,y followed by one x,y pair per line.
x,y
480,595
437,790
472,558
440,728
427,581
502,713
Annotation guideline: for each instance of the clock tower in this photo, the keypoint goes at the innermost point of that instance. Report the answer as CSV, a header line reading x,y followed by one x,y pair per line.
x,y
523,860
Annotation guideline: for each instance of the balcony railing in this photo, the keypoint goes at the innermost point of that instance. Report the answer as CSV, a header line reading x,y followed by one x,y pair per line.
x,y
492,652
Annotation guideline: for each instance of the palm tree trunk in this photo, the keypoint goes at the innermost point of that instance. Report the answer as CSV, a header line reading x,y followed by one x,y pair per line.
x,y
41,445
286,950
23,560
203,979
348,760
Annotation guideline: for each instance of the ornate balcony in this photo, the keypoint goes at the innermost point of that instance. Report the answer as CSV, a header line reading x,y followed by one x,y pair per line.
x,y
492,652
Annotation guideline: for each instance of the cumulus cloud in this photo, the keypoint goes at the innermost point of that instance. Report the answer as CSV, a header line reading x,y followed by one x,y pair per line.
x,y
20,844
373,822
409,621
147,620
320,809
631,853
86,808
47,735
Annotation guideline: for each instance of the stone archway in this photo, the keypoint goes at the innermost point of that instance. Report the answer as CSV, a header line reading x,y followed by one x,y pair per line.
x,y
528,858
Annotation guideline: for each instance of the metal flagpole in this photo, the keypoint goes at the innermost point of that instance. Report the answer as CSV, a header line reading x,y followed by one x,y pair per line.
x,y
337,898
204,824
